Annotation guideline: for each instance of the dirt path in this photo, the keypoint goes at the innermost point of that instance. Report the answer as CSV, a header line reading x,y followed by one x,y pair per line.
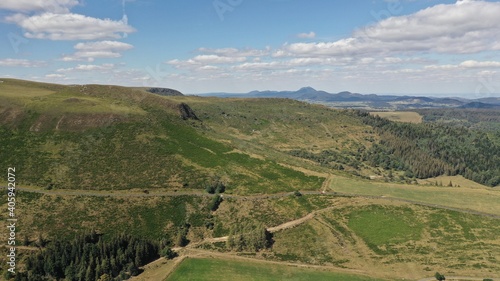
x,y
284,226
326,184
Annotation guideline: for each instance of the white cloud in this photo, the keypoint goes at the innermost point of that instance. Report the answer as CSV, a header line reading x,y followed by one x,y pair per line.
x,y
103,46
21,63
88,67
203,62
469,64
101,49
463,27
480,64
310,35
70,26
215,59
234,52
54,75
55,6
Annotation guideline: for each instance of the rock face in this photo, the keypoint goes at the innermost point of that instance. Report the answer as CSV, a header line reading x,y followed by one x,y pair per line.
x,y
186,112
165,92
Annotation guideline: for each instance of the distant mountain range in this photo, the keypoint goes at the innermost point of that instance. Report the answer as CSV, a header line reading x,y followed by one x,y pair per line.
x,y
372,101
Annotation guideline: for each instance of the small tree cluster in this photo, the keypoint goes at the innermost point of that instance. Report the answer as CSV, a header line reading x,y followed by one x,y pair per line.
x,y
181,238
248,237
168,253
439,276
214,204
215,187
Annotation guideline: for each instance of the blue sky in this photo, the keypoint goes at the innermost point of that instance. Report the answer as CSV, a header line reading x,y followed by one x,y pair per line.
x,y
425,47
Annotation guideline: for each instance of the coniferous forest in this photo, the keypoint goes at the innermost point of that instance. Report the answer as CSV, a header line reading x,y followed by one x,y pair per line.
x,y
429,150
90,257
421,151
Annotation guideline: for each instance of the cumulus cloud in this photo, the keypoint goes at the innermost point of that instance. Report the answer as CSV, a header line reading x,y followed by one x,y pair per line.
x,y
234,52
204,62
460,28
310,35
99,49
88,67
55,6
55,76
21,63
215,59
480,64
69,26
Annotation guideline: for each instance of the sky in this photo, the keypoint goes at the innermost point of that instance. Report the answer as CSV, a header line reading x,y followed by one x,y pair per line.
x,y
420,47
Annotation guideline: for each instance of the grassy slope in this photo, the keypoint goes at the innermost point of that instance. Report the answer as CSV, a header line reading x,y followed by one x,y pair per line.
x,y
470,195
107,137
230,270
388,239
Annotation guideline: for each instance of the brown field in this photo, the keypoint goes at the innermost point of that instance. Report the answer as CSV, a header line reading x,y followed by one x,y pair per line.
x,y
400,116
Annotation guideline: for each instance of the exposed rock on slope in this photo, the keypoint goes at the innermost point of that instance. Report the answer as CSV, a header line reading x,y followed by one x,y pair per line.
x,y
186,112
165,92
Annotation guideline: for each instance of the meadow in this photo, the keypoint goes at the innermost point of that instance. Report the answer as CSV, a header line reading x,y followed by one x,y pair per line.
x,y
469,196
400,116
231,270
383,237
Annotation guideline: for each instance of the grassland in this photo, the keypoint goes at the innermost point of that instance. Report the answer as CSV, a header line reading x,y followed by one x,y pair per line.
x,y
384,237
231,270
470,196
400,116
108,137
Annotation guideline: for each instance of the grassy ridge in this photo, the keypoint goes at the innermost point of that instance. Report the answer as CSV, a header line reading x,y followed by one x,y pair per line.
x,y
109,137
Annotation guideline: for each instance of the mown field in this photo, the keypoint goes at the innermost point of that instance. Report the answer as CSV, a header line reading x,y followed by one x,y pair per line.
x,y
469,195
233,270
400,116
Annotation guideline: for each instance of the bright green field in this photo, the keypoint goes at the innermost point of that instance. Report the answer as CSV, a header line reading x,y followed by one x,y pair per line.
x,y
223,270
379,226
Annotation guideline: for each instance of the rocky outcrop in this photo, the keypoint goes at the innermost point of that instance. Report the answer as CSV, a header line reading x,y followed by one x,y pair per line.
x,y
165,92
186,112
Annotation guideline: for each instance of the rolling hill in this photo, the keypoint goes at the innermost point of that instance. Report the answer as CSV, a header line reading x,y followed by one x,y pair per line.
x,y
145,162
371,101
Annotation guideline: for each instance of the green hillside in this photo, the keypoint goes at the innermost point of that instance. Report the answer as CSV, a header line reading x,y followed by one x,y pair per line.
x,y
106,137
333,189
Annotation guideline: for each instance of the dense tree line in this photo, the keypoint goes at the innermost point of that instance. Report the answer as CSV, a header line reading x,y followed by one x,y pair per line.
x,y
421,151
429,150
487,119
90,257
